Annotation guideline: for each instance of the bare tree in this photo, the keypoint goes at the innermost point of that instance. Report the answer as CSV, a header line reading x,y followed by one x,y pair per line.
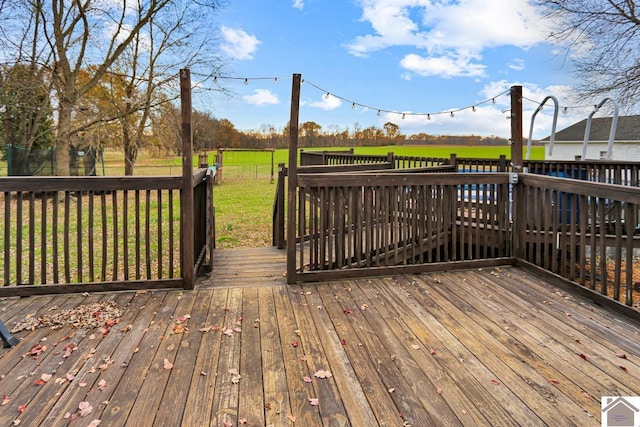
x,y
71,37
602,38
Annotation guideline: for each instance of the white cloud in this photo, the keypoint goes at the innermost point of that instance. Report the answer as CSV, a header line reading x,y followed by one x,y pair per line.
x,y
261,97
328,102
237,44
457,30
298,4
516,64
445,66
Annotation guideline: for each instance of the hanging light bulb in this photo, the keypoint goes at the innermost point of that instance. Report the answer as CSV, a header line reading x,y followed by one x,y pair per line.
x,y
215,79
403,116
452,114
473,108
378,113
275,81
246,81
428,116
353,105
493,100
564,110
326,95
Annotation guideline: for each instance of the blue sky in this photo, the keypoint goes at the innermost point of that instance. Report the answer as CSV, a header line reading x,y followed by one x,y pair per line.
x,y
411,57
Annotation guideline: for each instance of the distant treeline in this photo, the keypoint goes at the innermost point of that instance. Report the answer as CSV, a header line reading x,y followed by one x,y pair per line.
x,y
211,133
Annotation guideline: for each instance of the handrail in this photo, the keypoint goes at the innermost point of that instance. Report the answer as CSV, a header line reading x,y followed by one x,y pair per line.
x,y
552,138
612,131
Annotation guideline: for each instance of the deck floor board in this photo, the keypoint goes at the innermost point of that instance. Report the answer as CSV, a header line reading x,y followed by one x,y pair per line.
x,y
496,346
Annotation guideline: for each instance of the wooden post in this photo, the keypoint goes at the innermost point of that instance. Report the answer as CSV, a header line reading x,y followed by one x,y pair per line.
x,y
516,128
186,198
293,179
279,213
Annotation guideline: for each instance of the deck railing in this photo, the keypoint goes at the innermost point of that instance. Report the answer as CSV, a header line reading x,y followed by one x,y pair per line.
x,y
585,229
586,232
394,222
65,234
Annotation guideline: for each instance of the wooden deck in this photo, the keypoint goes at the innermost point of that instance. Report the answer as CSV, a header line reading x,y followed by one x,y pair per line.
x,y
474,347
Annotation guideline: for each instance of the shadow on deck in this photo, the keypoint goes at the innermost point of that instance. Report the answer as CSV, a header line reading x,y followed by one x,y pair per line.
x,y
493,346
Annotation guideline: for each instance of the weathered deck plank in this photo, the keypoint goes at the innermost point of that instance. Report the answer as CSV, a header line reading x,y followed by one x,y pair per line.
x,y
475,347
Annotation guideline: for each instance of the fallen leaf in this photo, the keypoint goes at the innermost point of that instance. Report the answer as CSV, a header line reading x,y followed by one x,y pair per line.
x,y
233,371
291,418
102,384
439,390
347,311
494,381
432,351
207,329
624,368
16,422
82,384
21,408
307,379
343,341
295,343
584,356
313,401
85,408
242,421
6,399
586,395
323,374
228,332
94,423
363,307
415,346
167,364
227,424
391,390
204,374
621,356
554,381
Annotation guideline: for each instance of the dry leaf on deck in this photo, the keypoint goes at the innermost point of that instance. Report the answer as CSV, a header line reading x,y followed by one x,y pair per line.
x,y
167,364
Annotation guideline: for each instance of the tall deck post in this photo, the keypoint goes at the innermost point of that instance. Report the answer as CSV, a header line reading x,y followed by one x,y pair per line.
x,y
516,128
293,179
186,197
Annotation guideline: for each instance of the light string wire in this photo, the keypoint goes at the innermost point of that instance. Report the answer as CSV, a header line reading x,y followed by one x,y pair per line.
x,y
450,112
564,109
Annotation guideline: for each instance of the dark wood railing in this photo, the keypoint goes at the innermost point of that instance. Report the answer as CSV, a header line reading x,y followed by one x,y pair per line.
x,y
70,234
586,232
576,219
399,222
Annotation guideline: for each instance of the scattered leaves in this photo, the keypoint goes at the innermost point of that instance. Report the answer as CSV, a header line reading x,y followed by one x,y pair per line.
x,y
87,316
323,374
167,364
85,408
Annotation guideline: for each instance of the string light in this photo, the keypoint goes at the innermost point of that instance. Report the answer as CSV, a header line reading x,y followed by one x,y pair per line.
x,y
378,111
